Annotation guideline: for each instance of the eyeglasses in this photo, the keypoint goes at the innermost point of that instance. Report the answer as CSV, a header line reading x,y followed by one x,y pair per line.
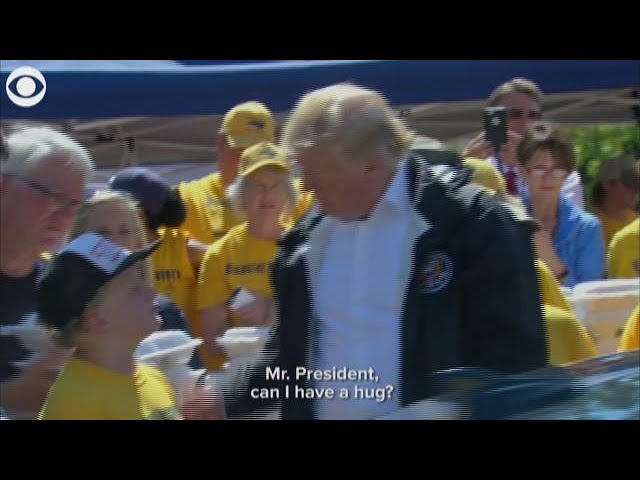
x,y
61,201
541,172
517,113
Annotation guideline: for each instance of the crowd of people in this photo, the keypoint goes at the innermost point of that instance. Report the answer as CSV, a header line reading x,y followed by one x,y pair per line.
x,y
349,236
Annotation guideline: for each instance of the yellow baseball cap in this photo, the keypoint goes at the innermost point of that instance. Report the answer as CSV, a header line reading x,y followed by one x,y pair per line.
x,y
261,155
247,124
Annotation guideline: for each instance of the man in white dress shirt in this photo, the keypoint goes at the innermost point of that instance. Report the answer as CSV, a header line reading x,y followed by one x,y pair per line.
x,y
402,269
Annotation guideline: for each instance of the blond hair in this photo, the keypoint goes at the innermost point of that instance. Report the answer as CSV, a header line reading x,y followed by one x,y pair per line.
x,y
354,119
100,198
515,85
106,197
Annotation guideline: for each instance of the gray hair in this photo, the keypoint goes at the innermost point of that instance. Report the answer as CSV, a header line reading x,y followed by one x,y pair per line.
x,y
28,146
355,119
235,191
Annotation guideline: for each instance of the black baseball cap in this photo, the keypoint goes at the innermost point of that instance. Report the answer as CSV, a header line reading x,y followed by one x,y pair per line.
x,y
146,186
75,275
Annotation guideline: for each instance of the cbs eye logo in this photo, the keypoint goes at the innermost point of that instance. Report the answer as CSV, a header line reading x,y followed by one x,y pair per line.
x,y
26,86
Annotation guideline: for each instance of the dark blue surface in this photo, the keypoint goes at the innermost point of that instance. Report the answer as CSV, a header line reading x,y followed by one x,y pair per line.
x,y
600,388
194,89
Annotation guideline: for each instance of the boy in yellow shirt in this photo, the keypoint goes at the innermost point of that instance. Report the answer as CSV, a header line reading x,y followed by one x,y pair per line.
x,y
96,298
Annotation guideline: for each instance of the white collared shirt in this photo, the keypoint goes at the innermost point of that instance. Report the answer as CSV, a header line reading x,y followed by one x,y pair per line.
x,y
358,296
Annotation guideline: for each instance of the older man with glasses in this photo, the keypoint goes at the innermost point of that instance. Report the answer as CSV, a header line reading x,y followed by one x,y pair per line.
x,y
522,98
42,179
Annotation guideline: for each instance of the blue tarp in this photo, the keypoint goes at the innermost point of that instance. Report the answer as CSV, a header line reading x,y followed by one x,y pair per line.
x,y
102,89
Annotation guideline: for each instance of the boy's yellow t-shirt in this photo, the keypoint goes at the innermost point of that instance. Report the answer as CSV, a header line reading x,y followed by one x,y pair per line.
x,y
623,256
86,391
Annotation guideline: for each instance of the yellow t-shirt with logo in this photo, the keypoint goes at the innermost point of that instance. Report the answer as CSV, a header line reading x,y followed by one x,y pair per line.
x,y
237,260
623,256
210,215
173,273
86,391
631,336
611,226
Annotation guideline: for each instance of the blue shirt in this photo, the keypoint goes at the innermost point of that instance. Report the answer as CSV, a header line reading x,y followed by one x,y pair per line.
x,y
578,242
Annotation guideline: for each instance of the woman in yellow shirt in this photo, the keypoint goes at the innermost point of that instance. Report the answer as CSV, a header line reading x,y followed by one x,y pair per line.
x,y
264,193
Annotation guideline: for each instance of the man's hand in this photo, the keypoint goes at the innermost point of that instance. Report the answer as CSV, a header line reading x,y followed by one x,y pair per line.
x,y
478,147
202,403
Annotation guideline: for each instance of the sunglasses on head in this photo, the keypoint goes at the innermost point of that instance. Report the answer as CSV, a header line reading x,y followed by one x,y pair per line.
x,y
519,113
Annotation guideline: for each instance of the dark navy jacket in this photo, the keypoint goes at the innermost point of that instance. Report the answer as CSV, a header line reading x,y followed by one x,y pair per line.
x,y
479,308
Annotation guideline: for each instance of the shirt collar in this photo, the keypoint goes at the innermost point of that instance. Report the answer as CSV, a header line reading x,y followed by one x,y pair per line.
x,y
396,196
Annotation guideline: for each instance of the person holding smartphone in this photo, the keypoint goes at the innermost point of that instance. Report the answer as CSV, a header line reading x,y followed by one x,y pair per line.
x,y
522,99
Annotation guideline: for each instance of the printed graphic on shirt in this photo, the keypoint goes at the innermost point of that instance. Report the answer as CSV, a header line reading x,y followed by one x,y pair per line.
x,y
171,274
246,268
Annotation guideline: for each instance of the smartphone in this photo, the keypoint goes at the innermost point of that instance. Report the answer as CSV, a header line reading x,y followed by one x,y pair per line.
x,y
495,126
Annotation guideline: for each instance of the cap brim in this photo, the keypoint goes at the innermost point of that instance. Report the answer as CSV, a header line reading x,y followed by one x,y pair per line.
x,y
241,141
266,163
137,256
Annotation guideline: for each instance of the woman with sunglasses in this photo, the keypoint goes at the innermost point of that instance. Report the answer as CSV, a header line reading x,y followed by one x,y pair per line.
x,y
570,240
